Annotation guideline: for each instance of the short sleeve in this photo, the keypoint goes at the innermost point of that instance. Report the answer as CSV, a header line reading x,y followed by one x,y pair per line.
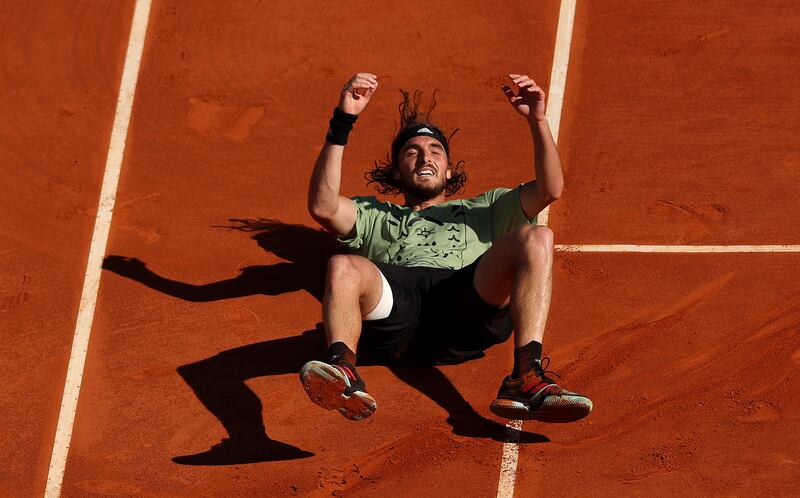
x,y
507,212
365,220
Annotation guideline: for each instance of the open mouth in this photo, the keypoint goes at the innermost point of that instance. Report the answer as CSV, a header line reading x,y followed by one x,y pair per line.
x,y
424,172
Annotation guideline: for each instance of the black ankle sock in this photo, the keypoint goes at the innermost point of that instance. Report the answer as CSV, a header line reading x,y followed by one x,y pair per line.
x,y
524,356
339,351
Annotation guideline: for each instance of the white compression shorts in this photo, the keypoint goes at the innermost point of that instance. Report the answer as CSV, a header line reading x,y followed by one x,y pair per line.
x,y
385,304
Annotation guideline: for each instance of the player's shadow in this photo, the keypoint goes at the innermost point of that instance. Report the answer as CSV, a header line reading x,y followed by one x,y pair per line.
x,y
219,381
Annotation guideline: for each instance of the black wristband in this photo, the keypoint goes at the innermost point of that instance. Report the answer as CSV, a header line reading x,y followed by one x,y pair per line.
x,y
340,125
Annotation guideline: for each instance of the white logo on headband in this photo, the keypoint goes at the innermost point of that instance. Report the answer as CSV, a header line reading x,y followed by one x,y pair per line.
x,y
425,130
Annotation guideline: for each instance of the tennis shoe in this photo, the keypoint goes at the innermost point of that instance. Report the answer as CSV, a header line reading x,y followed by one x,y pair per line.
x,y
337,387
534,396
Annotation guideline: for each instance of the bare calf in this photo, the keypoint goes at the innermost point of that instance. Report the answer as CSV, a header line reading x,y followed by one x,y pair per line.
x,y
353,288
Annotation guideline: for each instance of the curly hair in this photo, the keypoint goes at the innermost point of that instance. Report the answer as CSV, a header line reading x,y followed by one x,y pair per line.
x,y
412,114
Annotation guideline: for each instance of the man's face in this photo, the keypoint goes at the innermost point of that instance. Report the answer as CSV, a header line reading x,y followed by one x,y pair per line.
x,y
422,167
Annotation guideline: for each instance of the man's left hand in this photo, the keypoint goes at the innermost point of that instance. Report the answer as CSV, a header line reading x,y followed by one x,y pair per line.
x,y
529,100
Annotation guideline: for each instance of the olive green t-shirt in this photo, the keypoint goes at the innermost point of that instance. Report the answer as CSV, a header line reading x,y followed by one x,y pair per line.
x,y
450,235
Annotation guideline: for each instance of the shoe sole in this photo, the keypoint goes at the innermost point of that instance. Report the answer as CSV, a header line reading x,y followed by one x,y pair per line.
x,y
325,387
555,409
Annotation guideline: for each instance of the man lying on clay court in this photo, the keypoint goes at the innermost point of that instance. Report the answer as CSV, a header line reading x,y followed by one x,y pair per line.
x,y
436,280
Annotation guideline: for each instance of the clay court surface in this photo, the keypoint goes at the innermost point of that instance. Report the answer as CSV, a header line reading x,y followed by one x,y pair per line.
x,y
679,127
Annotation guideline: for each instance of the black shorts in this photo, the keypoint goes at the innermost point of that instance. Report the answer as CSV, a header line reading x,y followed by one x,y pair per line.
x,y
437,318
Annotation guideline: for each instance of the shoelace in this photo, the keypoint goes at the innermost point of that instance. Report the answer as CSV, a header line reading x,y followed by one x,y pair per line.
x,y
541,369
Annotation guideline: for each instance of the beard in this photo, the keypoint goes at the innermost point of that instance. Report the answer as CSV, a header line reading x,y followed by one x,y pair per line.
x,y
424,191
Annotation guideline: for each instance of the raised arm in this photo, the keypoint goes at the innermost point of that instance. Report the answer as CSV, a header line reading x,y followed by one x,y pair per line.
x,y
546,188
336,213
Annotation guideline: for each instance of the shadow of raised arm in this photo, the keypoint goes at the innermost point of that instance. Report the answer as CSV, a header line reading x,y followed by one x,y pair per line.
x,y
271,280
306,249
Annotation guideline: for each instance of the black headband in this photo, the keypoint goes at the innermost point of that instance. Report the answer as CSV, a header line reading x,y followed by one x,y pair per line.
x,y
420,130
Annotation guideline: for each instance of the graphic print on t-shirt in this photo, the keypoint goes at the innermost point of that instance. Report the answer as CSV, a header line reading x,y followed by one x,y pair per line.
x,y
450,235
438,234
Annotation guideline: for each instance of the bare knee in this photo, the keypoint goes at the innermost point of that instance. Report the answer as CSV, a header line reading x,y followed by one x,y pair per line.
x,y
343,270
354,277
536,243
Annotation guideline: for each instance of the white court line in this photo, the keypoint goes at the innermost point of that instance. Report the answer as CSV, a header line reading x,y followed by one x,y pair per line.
x,y
677,249
508,462
558,84
558,77
91,282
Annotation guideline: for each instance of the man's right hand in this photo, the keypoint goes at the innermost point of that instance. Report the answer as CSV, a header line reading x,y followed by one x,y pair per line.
x,y
357,92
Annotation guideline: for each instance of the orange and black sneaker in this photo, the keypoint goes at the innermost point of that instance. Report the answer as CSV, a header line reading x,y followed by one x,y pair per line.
x,y
337,387
534,396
